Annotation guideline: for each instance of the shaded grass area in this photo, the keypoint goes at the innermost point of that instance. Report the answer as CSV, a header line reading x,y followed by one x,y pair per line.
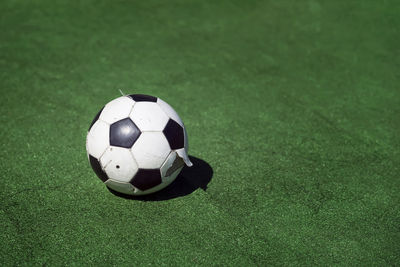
x,y
293,104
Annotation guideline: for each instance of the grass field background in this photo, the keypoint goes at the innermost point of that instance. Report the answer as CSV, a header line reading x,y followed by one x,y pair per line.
x,y
293,104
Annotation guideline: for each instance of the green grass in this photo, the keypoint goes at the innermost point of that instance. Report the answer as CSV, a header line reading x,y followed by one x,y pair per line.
x,y
294,104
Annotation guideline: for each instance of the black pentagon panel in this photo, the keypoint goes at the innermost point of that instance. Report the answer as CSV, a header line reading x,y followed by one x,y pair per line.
x,y
124,133
174,134
146,179
140,98
95,118
97,168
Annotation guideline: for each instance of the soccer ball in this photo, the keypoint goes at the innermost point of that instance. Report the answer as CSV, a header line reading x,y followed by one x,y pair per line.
x,y
137,144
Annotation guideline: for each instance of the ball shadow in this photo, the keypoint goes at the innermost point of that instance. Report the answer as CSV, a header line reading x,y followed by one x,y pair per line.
x,y
189,180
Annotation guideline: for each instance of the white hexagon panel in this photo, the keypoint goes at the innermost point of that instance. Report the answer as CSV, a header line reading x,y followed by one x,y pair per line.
x,y
117,109
150,150
125,188
148,116
171,113
171,167
156,188
97,139
119,164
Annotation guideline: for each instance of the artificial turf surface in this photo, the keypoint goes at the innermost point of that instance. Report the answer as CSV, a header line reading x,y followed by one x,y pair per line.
x,y
292,110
